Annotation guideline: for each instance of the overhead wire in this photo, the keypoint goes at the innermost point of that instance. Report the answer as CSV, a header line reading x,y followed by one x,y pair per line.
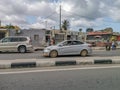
x,y
78,15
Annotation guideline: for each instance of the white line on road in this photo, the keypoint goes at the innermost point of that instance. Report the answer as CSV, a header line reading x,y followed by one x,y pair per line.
x,y
64,69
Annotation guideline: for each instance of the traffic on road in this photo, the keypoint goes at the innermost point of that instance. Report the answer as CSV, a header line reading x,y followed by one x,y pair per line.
x,y
68,47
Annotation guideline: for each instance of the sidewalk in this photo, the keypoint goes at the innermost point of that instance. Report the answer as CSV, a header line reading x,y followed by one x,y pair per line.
x,y
50,62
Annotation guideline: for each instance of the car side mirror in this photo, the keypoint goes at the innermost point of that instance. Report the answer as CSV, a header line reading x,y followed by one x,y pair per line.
x,y
60,45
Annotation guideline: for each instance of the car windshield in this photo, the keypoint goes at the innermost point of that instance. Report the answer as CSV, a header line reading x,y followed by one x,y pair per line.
x,y
62,43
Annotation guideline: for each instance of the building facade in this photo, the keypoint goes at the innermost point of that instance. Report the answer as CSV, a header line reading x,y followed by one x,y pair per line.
x,y
37,36
42,37
59,36
3,32
100,38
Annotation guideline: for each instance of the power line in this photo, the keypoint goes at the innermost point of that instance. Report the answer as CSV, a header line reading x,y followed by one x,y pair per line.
x,y
50,15
75,14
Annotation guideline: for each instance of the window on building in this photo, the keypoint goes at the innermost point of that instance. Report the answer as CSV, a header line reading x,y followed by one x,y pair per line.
x,y
36,37
48,32
2,35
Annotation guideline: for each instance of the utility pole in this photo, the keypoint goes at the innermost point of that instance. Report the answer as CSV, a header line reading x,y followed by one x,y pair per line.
x,y
45,24
0,22
60,19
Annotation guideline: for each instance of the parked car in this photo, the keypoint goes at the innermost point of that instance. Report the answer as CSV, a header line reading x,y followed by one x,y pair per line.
x,y
118,43
68,47
21,44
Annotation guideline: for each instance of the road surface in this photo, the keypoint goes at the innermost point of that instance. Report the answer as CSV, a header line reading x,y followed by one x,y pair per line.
x,y
38,55
74,78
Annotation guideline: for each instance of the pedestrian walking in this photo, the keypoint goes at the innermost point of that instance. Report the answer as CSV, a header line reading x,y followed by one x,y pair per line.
x,y
114,45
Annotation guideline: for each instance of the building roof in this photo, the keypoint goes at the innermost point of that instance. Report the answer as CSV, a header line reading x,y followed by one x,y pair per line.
x,y
98,33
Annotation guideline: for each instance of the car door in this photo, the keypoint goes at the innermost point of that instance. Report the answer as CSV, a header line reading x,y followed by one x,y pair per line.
x,y
5,44
9,44
77,47
14,43
66,48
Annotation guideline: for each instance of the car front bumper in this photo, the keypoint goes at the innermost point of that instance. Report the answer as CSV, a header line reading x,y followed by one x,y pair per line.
x,y
90,52
46,52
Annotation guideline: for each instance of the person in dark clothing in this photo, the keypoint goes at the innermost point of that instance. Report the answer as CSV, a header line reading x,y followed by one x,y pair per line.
x,y
108,45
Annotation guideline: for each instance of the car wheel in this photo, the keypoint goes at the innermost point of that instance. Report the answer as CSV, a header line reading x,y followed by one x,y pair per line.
x,y
84,53
22,49
53,54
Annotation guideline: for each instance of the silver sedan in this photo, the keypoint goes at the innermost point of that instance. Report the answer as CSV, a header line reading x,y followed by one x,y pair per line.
x,y
68,47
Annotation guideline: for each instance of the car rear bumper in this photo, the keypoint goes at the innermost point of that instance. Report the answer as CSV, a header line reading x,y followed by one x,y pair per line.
x,y
30,48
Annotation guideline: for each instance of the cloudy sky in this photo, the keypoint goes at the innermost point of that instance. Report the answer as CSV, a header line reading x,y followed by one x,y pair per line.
x,y
96,14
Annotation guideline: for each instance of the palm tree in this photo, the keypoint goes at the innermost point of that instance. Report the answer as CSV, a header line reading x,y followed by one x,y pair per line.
x,y
9,27
80,30
65,24
89,30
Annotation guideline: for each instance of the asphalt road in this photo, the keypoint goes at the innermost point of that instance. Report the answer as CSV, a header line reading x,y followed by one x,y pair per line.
x,y
80,78
38,55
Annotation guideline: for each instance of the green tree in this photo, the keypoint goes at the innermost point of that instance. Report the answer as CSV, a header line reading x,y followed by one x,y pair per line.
x,y
108,30
65,24
80,30
10,26
89,30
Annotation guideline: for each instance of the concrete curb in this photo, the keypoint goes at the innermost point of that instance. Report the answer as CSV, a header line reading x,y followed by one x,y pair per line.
x,y
7,65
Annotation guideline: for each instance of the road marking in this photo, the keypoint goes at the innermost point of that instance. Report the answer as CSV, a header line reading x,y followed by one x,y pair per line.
x,y
52,70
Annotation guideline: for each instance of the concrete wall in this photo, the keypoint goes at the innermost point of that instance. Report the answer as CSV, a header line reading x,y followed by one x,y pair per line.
x,y
37,35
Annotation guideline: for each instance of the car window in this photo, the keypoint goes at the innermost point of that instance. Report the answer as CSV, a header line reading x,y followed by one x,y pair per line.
x,y
76,43
22,39
6,40
14,39
67,43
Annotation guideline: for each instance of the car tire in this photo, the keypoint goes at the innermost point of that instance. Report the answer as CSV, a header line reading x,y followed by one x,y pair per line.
x,y
84,53
53,54
22,49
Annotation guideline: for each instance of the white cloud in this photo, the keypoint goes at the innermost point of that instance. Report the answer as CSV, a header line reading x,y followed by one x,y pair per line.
x,y
85,23
81,13
36,25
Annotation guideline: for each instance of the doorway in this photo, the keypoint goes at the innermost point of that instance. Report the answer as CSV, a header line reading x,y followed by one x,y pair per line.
x,y
2,35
